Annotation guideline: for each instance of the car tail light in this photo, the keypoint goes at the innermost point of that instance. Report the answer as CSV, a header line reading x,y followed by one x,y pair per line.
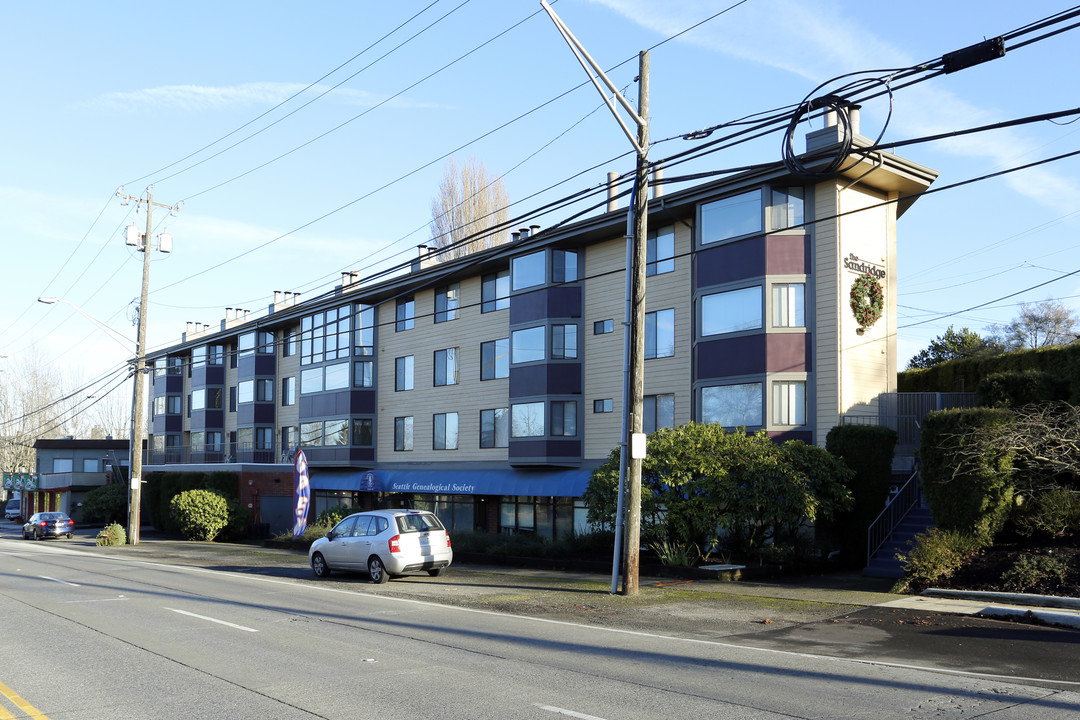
x,y
71,522
447,539
395,544
44,523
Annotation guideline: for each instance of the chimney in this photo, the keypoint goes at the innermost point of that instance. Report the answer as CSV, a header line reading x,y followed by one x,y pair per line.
x,y
612,192
833,132
524,232
277,297
534,229
515,236
657,183
228,313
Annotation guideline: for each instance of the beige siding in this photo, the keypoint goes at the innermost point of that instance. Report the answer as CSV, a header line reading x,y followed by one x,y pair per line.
x,y
826,308
467,398
287,366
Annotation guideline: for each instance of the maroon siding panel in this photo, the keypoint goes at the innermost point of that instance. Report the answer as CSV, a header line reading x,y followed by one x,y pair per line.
x,y
789,352
733,356
788,254
731,262
782,436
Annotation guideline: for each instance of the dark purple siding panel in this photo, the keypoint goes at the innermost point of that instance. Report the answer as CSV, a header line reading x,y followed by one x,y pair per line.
x,y
789,352
554,379
545,303
731,262
733,356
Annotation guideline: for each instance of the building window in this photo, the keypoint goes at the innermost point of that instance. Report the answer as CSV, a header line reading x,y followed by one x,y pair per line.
x,y
245,392
264,390
494,428
732,405
213,398
527,420
563,342
789,305
326,335
495,359
731,217
336,377
311,433
289,344
403,434
657,411
660,334
363,432
605,405
603,327
232,398
786,208
403,373
527,345
406,313
731,311
289,439
660,251
564,418
264,438
196,401
207,355
364,343
445,431
336,432
62,465
311,380
446,367
446,303
364,374
563,266
495,292
789,403
527,270
288,391
174,404
91,466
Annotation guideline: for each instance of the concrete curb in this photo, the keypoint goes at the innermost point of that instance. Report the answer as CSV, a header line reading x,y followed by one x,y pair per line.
x,y
1047,601
1044,616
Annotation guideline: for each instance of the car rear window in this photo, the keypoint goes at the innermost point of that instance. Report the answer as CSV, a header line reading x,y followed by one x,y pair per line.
x,y
418,523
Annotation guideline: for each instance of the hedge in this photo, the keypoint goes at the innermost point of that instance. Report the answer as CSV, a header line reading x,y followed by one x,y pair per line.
x,y
162,487
868,450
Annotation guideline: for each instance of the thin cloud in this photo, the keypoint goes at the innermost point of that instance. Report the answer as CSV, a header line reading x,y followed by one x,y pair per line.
x,y
198,98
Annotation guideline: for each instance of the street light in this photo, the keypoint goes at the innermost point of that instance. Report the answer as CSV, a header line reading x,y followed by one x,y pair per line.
x,y
138,427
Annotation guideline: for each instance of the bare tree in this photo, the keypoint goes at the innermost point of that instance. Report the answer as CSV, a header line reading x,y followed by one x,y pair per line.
x,y
1043,324
30,408
469,203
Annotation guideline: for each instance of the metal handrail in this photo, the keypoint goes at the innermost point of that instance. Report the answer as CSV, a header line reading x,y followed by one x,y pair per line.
x,y
896,509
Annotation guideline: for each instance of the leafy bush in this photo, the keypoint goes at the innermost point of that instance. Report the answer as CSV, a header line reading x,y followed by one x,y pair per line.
x,y
1029,573
675,555
112,534
162,487
1015,389
1053,512
108,503
199,514
935,555
966,474
332,516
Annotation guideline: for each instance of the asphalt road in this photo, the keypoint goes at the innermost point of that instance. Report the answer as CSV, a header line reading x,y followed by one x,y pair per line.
x,y
555,640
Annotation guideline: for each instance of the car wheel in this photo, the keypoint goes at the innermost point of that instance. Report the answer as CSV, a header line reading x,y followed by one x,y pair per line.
x,y
435,572
38,535
25,536
319,566
377,570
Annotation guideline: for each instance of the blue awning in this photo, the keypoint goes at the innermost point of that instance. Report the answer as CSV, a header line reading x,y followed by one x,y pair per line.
x,y
544,483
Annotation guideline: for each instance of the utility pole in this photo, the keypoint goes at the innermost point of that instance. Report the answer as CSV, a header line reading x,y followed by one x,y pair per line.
x,y
138,424
633,441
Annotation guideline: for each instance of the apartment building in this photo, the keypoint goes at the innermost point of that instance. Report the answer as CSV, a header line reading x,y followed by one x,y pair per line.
x,y
488,388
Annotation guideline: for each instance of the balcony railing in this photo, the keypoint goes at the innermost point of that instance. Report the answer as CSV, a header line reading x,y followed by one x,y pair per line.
x,y
904,412
227,453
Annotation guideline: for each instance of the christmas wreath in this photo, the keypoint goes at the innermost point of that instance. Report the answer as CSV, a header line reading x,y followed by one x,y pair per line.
x,y
867,300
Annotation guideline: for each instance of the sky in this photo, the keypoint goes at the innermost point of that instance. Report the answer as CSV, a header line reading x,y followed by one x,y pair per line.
x,y
303,140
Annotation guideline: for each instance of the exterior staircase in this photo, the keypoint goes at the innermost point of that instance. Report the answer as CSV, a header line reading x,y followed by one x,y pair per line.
x,y
882,562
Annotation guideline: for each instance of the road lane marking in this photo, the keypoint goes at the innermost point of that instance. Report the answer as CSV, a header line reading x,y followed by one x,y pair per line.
x,y
213,620
569,713
62,582
30,710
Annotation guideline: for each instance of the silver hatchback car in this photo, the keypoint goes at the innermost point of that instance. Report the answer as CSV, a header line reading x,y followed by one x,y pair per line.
x,y
384,543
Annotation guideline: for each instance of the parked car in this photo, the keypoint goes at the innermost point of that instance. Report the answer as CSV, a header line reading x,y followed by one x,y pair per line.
x,y
384,543
47,524
12,509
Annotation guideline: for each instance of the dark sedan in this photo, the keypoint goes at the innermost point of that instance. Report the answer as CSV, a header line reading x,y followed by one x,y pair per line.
x,y
48,524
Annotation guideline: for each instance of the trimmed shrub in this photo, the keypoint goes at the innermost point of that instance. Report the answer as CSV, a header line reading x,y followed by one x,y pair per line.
x,y
112,534
330,517
162,487
966,474
935,555
107,503
200,514
1016,389
868,450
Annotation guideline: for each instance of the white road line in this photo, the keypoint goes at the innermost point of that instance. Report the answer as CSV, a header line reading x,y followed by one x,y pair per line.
x,y
569,713
62,582
213,620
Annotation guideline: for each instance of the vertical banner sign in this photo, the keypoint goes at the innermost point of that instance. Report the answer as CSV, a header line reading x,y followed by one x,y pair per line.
x,y
302,493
